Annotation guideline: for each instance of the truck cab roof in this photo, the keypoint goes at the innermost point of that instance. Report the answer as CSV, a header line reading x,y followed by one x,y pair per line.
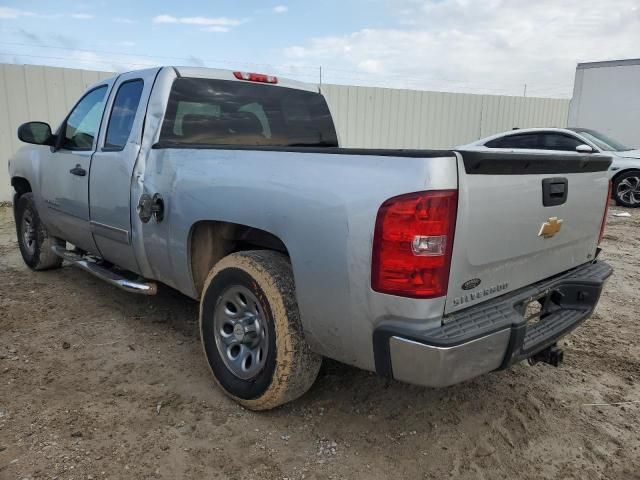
x,y
223,74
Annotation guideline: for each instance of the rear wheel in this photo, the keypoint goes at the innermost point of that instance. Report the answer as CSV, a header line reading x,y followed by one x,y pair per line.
x,y
33,239
626,189
251,331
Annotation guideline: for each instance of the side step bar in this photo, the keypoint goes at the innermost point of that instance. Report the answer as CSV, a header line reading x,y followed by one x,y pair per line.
x,y
140,286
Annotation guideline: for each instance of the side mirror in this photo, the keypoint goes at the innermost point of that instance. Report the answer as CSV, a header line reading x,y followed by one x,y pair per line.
x,y
38,133
584,149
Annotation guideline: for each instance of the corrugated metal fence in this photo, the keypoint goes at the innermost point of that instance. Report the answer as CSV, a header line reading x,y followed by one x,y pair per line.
x,y
365,117
389,118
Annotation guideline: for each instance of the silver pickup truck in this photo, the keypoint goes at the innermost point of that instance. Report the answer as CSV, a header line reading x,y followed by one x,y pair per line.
x,y
430,267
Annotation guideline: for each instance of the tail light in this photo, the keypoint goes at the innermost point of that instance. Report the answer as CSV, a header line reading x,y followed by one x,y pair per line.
x,y
604,216
412,244
255,77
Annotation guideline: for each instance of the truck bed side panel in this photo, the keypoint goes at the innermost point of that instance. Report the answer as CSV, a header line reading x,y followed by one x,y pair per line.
x,y
323,208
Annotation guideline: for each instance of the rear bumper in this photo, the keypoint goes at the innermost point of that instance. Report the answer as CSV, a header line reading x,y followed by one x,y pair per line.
x,y
493,335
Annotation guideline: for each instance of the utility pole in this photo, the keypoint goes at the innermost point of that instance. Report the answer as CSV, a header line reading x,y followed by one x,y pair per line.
x,y
320,71
525,90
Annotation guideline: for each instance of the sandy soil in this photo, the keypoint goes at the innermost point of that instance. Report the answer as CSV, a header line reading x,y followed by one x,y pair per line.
x,y
97,383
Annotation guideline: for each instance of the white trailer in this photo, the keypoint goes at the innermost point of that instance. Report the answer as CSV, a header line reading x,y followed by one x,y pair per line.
x,y
606,97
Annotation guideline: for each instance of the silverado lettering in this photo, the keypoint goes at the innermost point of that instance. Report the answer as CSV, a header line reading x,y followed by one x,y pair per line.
x,y
471,297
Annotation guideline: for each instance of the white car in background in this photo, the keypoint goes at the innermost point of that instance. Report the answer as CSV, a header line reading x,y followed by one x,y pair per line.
x,y
624,171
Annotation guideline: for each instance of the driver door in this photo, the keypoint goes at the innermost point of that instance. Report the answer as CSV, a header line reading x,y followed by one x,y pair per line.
x,y
65,173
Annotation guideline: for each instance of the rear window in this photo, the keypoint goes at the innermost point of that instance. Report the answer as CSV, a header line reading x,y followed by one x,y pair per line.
x,y
220,112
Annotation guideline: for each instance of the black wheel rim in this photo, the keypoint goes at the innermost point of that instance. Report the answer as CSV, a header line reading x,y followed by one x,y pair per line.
x,y
628,190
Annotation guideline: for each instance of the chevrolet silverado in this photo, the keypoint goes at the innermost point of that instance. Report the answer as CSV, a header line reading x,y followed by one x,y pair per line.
x,y
427,266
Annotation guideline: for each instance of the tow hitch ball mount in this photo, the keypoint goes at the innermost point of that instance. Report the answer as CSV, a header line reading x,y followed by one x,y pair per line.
x,y
552,355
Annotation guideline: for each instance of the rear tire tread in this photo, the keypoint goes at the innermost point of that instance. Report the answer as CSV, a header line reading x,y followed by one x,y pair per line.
x,y
297,365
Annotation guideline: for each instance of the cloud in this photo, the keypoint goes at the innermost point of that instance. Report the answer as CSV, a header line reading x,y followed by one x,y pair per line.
x,y
216,28
10,13
371,66
123,20
203,21
83,59
165,19
280,9
63,40
30,36
67,51
195,61
52,40
14,13
478,46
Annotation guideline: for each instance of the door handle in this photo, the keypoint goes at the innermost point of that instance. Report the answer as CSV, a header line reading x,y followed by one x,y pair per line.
x,y
554,191
78,170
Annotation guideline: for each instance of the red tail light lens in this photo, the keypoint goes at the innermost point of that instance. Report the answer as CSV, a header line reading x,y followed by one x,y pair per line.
x,y
255,77
606,212
412,244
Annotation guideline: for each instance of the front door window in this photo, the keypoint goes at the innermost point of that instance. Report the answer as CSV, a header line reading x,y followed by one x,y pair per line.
x,y
82,124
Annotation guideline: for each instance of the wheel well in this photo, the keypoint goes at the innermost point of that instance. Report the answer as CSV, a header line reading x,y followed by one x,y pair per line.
x,y
615,177
21,186
210,241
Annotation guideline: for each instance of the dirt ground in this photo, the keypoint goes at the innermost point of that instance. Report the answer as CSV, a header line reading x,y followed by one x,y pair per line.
x,y
98,383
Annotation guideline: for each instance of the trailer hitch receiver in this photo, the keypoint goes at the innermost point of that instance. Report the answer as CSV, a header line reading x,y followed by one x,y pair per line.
x,y
551,355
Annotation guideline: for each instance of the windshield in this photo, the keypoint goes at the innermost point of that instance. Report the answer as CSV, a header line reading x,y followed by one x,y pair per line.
x,y
601,140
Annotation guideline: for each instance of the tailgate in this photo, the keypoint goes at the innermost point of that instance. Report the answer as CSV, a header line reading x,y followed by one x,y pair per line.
x,y
498,246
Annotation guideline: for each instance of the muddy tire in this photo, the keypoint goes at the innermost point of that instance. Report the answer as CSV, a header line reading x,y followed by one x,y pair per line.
x,y
33,239
251,331
626,189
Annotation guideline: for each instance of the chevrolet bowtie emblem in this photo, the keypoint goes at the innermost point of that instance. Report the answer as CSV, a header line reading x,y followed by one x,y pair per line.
x,y
550,227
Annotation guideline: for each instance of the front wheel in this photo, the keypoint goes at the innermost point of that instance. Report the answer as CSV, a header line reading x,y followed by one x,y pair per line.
x,y
626,189
33,239
251,331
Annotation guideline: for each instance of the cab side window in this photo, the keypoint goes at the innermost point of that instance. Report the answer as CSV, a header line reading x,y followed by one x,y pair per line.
x,y
84,120
525,140
555,141
123,113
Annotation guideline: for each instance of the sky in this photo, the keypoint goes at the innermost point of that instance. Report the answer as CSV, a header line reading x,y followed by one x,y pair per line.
x,y
469,46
